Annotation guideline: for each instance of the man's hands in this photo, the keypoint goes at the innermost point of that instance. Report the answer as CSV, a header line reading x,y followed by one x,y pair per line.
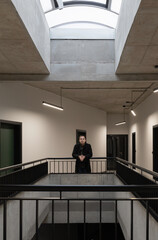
x,y
81,157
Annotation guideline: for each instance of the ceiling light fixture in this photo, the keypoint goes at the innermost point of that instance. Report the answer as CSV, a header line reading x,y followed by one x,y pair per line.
x,y
120,123
124,121
133,112
52,106
47,104
132,102
155,90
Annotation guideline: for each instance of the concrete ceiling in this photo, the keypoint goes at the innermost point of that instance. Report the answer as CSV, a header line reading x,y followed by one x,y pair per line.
x,y
140,53
110,96
18,53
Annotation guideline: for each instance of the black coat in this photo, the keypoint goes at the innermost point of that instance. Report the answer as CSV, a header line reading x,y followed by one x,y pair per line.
x,y
86,150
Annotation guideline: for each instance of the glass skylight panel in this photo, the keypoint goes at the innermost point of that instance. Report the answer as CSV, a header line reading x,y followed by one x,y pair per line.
x,y
116,5
81,14
97,1
46,5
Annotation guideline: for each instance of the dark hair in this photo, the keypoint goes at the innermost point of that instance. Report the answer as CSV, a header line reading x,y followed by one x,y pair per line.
x,y
82,136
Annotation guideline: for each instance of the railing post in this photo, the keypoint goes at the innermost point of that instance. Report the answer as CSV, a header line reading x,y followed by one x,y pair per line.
x,y
53,227
147,220
60,195
115,219
20,221
36,219
62,166
84,209
68,220
100,221
4,220
131,219
49,167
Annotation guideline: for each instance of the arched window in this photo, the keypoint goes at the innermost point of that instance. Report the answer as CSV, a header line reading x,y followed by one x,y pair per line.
x,y
96,16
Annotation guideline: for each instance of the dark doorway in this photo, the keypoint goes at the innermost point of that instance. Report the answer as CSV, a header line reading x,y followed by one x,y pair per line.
x,y
10,143
134,148
117,146
79,133
155,148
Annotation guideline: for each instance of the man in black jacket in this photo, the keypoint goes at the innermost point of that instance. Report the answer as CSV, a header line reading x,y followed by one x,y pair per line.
x,y
82,152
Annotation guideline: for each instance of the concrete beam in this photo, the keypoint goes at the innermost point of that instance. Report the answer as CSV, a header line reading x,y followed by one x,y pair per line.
x,y
55,77
22,44
136,45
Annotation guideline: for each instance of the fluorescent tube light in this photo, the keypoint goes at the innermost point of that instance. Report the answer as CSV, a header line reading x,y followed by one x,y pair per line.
x,y
133,112
120,123
155,90
52,106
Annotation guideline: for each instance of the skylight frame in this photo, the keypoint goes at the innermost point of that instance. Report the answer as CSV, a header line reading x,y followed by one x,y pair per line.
x,y
92,3
74,7
95,4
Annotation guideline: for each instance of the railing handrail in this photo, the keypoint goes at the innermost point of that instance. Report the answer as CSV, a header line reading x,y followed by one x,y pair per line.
x,y
21,164
154,174
78,199
77,188
45,159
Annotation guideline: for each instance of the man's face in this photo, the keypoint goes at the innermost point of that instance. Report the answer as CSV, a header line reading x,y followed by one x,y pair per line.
x,y
82,140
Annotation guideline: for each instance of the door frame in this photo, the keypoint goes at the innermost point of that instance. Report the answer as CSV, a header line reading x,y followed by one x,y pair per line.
x,y
134,149
116,135
14,124
155,126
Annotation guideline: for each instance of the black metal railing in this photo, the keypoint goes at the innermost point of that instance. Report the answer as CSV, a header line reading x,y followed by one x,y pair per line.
x,y
24,176
67,165
28,173
125,171
131,177
143,171
61,189
64,165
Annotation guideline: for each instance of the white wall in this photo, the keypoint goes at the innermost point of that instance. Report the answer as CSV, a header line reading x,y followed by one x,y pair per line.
x,y
48,132
142,124
113,118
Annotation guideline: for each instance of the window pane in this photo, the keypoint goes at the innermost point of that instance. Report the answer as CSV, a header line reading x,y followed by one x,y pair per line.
x,y
46,5
116,5
81,14
98,1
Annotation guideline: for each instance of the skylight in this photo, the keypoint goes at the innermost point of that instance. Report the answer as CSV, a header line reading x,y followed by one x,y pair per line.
x,y
98,13
98,1
81,14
